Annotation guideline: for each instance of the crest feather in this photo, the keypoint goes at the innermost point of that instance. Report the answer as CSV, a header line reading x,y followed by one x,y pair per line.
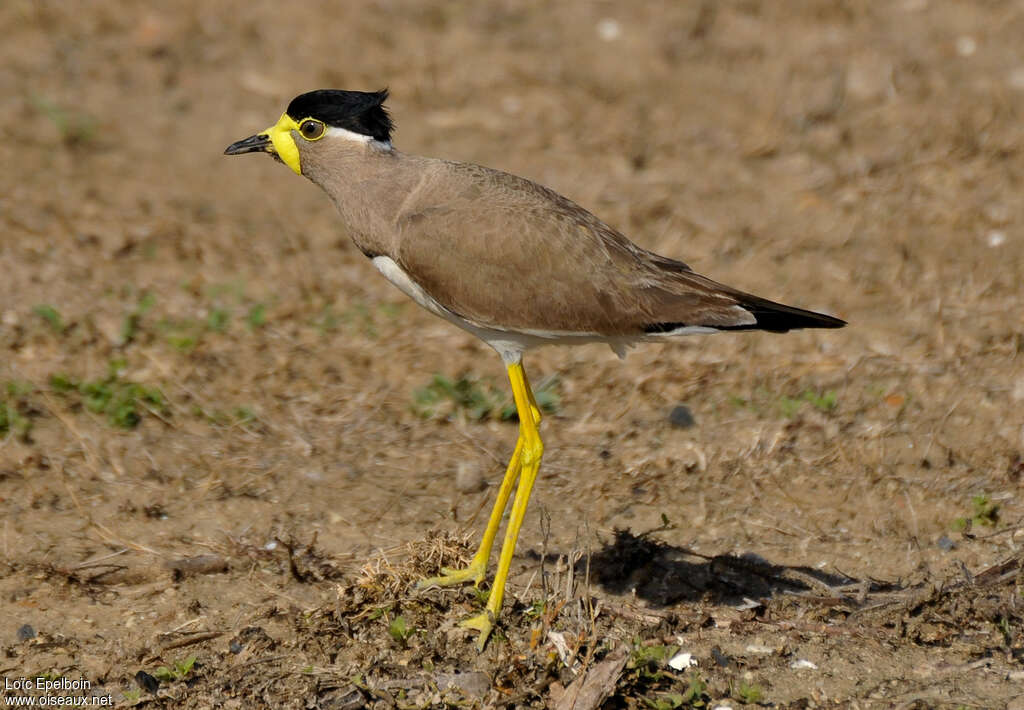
x,y
361,112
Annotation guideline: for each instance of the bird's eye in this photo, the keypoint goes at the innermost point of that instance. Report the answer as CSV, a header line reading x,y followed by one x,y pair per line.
x,y
311,129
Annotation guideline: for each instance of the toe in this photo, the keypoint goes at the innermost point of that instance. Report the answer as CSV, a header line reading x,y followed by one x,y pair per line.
x,y
484,623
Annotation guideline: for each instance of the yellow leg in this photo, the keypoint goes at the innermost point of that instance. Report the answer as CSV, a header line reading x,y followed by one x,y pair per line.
x,y
530,448
477,569
529,392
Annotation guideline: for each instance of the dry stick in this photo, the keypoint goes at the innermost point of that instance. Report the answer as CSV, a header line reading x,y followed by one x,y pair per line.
x,y
545,531
93,562
592,610
181,626
91,457
200,637
1013,528
939,426
256,661
647,616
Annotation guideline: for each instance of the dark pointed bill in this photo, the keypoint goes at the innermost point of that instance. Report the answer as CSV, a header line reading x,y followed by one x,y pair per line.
x,y
253,144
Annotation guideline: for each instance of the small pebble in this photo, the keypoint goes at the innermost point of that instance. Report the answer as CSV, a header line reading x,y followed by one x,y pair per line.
x,y
511,105
609,29
945,543
720,658
966,45
803,663
200,564
468,478
26,632
997,213
235,647
1016,78
681,418
682,661
1018,390
147,682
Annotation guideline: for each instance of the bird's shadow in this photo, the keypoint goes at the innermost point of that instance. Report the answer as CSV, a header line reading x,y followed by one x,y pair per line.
x,y
663,575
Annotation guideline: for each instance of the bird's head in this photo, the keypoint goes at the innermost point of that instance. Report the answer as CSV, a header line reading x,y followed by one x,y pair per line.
x,y
318,118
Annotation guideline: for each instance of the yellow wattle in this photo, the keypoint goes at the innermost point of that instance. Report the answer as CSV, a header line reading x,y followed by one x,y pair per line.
x,y
280,135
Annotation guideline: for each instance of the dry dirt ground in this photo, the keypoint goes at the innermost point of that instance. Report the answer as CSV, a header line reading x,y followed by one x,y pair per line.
x,y
228,448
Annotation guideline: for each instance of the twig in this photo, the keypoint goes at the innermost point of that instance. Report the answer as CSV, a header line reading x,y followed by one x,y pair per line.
x,y
200,637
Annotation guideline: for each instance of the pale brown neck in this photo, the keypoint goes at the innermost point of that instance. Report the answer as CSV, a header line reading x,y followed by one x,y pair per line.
x,y
368,183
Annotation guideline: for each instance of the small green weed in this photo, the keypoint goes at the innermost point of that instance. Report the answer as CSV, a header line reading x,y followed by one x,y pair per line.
x,y
536,609
695,696
257,316
1006,630
132,321
647,661
179,670
182,334
749,693
476,398
217,320
668,701
822,401
765,402
985,513
326,321
14,389
237,416
481,595
357,317
379,612
444,397
15,410
133,695
51,315
400,630
76,128
696,692
224,305
738,402
122,401
243,415
366,319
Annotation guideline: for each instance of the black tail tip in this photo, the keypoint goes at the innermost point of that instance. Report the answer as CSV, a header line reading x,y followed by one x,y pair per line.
x,y
782,321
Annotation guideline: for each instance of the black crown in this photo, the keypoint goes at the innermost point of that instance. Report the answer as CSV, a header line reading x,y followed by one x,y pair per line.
x,y
361,112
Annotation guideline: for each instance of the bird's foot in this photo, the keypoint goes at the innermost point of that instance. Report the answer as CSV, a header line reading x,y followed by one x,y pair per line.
x,y
475,573
484,623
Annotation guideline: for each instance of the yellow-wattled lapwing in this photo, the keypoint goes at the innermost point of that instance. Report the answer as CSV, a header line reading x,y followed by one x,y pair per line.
x,y
504,258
